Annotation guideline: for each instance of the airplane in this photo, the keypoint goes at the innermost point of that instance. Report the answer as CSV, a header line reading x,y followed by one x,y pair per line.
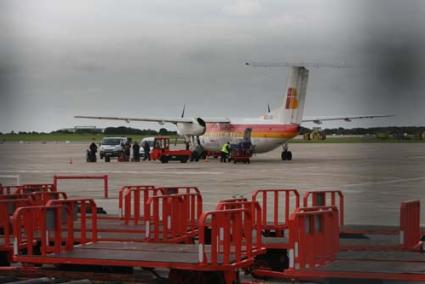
x,y
268,132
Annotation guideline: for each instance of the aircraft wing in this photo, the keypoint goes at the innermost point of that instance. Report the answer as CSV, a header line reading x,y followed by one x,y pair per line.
x,y
319,120
156,119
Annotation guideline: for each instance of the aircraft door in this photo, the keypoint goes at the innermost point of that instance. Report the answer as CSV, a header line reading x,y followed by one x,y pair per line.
x,y
247,135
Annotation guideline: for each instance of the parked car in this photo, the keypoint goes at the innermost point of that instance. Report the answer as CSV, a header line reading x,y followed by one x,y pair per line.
x,y
111,147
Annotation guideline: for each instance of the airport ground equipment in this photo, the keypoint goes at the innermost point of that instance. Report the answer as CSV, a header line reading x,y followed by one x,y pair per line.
x,y
325,198
26,189
278,203
363,252
10,189
39,187
269,235
161,151
230,249
105,179
133,198
315,134
241,152
8,205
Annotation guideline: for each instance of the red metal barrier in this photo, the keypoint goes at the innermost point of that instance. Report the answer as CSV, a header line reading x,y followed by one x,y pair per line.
x,y
12,189
410,231
173,217
134,197
179,189
252,206
231,200
42,224
281,208
231,237
78,208
14,196
103,177
30,188
41,198
326,198
7,208
313,237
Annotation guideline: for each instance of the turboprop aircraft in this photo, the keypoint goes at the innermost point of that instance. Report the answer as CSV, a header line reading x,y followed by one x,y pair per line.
x,y
268,132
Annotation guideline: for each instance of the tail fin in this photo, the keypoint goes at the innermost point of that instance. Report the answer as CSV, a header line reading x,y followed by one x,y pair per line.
x,y
296,89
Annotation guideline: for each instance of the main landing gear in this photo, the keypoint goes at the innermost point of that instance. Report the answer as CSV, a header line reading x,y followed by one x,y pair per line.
x,y
286,155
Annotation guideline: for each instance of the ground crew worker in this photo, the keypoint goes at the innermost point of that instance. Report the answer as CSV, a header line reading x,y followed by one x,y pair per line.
x,y
225,152
91,154
127,151
147,150
93,147
136,152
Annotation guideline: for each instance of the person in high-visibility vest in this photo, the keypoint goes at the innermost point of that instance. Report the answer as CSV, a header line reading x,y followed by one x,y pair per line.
x,y
225,152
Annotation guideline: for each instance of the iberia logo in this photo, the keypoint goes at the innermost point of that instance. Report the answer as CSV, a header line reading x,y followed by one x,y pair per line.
x,y
291,99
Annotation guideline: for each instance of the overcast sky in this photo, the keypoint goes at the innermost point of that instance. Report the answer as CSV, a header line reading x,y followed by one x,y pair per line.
x,y
148,58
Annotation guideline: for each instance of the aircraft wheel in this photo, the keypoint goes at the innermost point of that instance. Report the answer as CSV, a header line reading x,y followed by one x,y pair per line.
x,y
289,155
284,155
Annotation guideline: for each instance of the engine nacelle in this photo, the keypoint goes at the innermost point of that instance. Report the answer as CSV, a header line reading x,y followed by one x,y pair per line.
x,y
195,128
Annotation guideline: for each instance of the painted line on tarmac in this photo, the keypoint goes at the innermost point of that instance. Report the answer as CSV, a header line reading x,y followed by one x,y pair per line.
x,y
400,180
111,172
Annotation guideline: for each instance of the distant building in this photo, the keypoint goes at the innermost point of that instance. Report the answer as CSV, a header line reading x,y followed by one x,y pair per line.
x,y
82,129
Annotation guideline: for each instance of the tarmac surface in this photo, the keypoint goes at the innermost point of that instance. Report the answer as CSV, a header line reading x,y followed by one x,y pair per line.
x,y
375,178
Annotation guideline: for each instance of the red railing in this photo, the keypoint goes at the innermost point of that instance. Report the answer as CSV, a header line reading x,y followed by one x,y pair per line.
x,y
30,188
132,200
231,200
231,237
14,196
410,231
173,217
7,208
313,237
102,177
41,198
326,198
281,207
42,224
10,189
179,190
81,208
252,206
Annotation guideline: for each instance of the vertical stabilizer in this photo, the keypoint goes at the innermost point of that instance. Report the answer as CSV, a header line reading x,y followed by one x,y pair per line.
x,y
293,105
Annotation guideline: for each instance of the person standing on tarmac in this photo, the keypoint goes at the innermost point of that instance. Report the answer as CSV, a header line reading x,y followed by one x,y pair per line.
x,y
225,152
93,148
92,152
147,150
136,152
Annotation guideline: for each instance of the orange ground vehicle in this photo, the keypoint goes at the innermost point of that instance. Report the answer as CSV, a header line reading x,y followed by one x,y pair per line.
x,y
161,151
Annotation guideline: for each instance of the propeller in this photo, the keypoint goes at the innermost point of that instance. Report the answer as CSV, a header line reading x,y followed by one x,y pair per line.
x,y
268,108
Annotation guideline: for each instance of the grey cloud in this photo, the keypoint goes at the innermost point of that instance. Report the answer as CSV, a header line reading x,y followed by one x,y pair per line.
x,y
150,58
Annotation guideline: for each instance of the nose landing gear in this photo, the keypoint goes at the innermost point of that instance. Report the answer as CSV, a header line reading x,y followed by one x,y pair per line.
x,y
286,154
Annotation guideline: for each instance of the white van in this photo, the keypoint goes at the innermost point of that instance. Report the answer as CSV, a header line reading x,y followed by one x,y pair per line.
x,y
111,146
